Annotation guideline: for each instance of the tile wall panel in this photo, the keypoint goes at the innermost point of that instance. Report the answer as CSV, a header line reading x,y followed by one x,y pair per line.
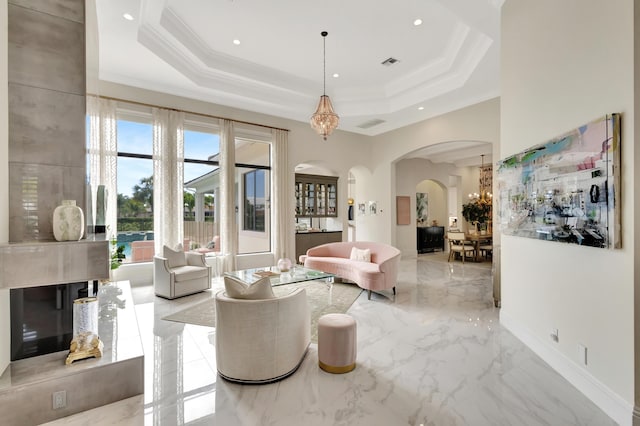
x,y
35,190
44,126
46,51
72,10
47,160
58,263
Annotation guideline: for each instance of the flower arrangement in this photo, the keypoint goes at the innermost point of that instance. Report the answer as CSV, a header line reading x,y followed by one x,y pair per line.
x,y
476,211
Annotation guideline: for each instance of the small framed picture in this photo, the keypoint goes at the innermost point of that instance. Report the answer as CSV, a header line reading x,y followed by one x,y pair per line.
x,y
373,207
362,209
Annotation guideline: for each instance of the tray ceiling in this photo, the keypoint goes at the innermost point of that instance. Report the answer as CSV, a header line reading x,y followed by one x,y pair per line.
x,y
187,48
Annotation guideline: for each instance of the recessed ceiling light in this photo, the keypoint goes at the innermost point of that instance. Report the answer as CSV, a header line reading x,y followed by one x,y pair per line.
x,y
128,16
336,75
236,42
420,108
417,22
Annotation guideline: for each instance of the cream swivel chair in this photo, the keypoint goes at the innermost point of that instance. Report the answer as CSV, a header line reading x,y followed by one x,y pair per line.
x,y
260,340
457,244
178,273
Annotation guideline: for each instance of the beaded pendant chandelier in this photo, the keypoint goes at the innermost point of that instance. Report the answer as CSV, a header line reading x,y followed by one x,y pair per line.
x,y
324,120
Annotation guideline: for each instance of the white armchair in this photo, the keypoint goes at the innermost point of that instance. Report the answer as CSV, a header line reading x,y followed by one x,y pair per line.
x,y
261,341
178,274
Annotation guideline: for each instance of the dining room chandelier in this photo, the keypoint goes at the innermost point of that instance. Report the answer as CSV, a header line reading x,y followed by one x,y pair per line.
x,y
324,120
484,184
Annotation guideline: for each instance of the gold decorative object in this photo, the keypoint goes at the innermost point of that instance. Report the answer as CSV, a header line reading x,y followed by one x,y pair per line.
x,y
86,342
324,120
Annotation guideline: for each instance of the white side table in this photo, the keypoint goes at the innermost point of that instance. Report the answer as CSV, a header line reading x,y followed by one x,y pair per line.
x,y
215,260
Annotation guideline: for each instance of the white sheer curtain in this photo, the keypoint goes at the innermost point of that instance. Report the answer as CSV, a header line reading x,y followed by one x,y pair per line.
x,y
168,167
280,194
103,154
228,229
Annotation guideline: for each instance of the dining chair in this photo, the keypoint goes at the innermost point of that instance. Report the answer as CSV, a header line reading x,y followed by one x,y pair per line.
x,y
457,244
487,249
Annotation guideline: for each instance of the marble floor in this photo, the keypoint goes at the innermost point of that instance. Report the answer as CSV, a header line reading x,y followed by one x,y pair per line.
x,y
433,355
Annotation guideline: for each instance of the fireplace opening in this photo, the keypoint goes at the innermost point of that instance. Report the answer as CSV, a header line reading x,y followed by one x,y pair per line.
x,y
42,317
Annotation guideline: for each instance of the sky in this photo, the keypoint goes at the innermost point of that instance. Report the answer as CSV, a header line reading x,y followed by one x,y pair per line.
x,y
134,137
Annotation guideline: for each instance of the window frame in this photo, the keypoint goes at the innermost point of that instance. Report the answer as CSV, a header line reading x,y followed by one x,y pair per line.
x,y
254,221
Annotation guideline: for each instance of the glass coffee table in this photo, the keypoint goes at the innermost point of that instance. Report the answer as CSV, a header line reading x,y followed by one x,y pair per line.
x,y
295,275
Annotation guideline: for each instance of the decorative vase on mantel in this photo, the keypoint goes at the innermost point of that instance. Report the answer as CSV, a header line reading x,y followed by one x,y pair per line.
x,y
68,221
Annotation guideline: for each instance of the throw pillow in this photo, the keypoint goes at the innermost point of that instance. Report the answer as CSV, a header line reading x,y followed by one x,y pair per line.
x,y
175,258
237,289
363,255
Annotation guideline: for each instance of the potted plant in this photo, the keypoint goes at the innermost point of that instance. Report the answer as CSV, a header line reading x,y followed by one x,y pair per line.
x,y
117,254
476,212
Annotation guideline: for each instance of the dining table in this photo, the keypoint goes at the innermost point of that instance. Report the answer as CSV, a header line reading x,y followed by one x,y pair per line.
x,y
477,239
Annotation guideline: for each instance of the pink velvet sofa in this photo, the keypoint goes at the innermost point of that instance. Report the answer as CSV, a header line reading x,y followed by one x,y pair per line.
x,y
379,274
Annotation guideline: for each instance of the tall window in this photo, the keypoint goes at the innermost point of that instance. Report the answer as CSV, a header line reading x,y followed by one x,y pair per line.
x,y
135,189
254,201
253,165
201,185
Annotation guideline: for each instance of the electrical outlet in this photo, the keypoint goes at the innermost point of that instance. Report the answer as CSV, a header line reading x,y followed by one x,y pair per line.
x,y
59,399
582,353
554,334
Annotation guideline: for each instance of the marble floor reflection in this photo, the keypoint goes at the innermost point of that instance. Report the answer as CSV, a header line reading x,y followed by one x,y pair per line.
x,y
433,355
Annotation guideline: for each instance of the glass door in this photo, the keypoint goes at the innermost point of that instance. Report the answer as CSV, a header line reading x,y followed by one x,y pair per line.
x,y
310,199
332,199
322,199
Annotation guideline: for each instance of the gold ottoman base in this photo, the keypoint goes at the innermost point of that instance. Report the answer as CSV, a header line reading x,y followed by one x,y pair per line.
x,y
336,370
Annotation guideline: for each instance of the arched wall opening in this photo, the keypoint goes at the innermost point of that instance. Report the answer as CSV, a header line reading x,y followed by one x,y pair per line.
x,y
446,173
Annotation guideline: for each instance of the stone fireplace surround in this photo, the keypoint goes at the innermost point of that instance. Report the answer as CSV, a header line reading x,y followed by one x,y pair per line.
x,y
27,385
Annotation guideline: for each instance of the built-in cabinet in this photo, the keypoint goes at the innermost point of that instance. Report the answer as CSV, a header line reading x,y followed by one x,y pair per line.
x,y
306,240
316,196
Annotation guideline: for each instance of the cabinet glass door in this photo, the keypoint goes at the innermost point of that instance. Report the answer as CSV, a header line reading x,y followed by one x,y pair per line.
x,y
332,198
321,201
299,199
310,199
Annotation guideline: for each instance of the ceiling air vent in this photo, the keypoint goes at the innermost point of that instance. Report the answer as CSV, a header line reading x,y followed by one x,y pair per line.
x,y
390,61
369,124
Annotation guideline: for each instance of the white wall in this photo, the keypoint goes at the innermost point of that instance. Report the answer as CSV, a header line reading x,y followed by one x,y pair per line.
x,y
564,64
4,182
480,122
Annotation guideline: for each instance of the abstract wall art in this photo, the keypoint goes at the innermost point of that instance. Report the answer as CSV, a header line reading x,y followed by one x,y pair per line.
x,y
565,190
403,210
422,208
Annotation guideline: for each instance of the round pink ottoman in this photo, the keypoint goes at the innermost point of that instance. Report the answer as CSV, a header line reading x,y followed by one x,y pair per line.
x,y
337,343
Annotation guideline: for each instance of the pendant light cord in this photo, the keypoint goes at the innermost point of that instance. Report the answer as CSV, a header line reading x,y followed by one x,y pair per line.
x,y
324,62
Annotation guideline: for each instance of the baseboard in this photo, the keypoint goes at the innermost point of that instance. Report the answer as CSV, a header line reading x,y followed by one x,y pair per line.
x,y
607,400
408,254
